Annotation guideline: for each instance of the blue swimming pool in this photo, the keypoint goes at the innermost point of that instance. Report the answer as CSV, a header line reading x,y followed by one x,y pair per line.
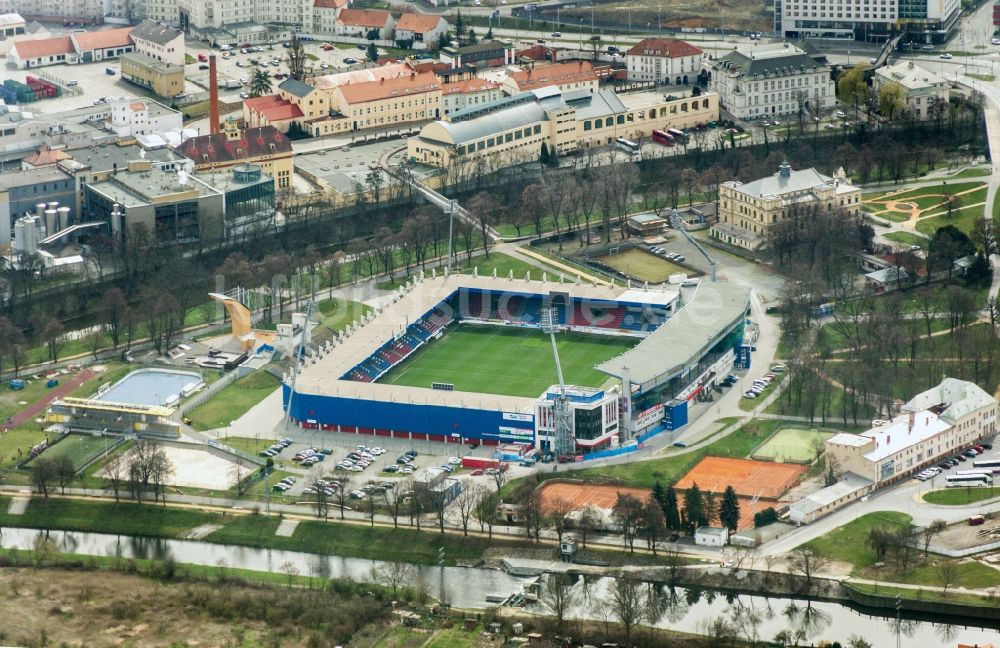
x,y
151,387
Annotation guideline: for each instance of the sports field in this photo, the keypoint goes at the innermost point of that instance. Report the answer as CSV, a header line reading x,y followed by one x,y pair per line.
x,y
78,447
792,444
642,265
508,361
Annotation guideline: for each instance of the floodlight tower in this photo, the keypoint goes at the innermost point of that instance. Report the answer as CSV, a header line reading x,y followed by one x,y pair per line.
x,y
564,442
297,360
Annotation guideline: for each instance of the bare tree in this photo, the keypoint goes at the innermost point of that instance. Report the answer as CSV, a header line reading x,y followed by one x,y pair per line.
x,y
499,478
588,521
557,516
947,575
343,491
393,498
628,602
65,472
559,595
806,563
931,531
43,473
394,574
238,472
486,508
290,571
116,470
465,504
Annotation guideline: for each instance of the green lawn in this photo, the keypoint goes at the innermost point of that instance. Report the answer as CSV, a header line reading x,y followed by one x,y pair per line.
x,y
453,638
246,444
128,519
511,361
233,401
977,172
849,543
792,444
894,216
908,238
963,219
961,496
935,191
641,265
78,447
922,595
338,314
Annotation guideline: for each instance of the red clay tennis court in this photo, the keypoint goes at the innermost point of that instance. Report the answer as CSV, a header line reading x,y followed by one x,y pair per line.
x,y
748,477
580,495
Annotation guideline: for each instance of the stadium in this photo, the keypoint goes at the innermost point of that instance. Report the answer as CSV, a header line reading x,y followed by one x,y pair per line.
x,y
464,359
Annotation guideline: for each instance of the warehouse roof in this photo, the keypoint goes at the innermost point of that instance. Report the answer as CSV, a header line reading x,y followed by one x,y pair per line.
x,y
849,485
706,318
105,39
30,49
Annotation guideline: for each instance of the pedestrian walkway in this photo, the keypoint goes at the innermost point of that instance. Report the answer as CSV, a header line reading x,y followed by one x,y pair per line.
x,y
18,506
286,528
571,271
200,532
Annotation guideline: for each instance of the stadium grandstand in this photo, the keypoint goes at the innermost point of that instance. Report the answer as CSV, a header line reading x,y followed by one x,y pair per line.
x,y
349,385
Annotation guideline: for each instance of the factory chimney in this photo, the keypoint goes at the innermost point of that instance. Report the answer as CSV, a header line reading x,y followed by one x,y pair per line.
x,y
213,96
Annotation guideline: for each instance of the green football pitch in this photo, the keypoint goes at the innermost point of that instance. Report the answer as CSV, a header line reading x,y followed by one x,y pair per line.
x,y
509,361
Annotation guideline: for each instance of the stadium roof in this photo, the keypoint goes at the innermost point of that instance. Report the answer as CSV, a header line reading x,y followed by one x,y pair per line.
x,y
697,326
323,377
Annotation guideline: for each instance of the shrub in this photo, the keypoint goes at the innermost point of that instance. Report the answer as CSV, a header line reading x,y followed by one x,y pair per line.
x,y
765,517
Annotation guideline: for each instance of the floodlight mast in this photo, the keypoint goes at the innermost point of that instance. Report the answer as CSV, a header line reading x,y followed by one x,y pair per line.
x,y
564,443
297,360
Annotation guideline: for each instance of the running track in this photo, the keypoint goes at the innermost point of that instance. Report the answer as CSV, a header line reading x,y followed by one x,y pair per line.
x,y
65,387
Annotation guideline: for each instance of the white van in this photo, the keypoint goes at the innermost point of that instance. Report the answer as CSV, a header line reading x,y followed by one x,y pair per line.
x,y
677,277
690,283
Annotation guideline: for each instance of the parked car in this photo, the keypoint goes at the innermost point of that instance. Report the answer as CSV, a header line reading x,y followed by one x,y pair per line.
x,y
350,60
946,56
391,469
477,472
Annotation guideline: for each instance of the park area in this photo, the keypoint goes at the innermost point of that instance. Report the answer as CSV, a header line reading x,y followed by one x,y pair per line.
x,y
509,361
792,444
641,265
925,209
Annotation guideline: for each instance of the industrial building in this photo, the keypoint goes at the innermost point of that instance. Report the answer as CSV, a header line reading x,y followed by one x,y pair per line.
x,y
516,127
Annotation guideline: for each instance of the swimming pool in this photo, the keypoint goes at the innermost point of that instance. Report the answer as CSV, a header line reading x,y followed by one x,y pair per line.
x,y
151,387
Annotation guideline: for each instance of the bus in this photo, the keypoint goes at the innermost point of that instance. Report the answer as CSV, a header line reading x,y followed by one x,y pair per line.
x,y
660,137
627,145
678,135
961,481
985,472
992,465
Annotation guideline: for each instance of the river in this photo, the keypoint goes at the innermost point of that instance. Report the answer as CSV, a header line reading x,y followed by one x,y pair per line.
x,y
468,587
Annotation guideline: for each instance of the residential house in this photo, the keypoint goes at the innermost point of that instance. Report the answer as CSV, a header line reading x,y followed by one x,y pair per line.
x,y
924,91
469,93
389,102
325,14
663,61
359,23
159,42
423,30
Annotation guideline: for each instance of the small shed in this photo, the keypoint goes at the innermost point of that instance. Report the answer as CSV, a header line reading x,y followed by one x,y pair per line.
x,y
711,536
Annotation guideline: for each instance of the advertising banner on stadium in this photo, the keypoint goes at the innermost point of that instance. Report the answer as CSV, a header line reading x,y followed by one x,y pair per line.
x,y
512,416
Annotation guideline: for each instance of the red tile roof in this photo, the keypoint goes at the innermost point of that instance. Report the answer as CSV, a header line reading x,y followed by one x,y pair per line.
x,y
385,88
253,143
96,40
469,85
552,75
668,47
329,4
44,47
273,108
418,23
364,18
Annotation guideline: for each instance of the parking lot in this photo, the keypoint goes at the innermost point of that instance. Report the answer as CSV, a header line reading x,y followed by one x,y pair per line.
x,y
339,445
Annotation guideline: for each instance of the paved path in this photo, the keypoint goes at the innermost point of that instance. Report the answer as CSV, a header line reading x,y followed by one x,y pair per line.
x,y
18,506
66,385
287,528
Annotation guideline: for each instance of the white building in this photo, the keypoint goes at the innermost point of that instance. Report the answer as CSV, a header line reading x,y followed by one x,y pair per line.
x,y
664,61
469,93
160,42
922,88
325,14
53,10
925,21
711,536
594,418
771,80
423,30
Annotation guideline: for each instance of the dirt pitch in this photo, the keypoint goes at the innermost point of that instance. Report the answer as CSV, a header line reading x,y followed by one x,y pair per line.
x,y
748,477
580,495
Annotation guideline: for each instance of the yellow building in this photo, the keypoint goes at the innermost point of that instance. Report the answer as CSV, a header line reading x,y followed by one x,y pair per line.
x,y
515,128
164,79
389,102
747,211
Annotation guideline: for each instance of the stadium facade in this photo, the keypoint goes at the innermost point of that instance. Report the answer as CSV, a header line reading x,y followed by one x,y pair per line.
x,y
686,339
